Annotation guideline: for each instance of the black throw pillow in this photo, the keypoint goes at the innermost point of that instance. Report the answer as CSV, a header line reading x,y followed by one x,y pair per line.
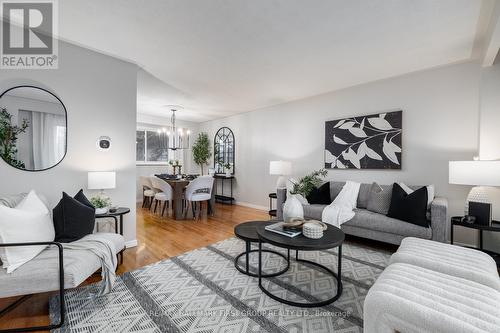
x,y
410,208
320,195
83,199
73,218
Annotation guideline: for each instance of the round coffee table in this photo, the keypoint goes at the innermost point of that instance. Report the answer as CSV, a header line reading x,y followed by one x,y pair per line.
x,y
248,232
332,237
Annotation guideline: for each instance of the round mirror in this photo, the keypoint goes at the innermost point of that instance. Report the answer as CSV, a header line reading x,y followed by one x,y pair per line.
x,y
33,128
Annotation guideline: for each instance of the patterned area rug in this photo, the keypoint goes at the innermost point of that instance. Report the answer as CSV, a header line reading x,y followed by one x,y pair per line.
x,y
201,291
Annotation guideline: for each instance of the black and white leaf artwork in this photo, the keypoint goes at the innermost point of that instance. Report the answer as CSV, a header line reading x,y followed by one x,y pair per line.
x,y
366,142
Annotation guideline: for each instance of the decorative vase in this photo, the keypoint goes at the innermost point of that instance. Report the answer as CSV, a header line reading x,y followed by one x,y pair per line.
x,y
292,208
228,173
99,211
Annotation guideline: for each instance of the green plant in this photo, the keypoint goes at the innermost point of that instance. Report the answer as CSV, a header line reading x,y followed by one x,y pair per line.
x,y
8,138
308,183
201,150
100,201
226,166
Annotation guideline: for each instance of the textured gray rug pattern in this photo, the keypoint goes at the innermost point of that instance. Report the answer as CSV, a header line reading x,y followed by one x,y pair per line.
x,y
201,291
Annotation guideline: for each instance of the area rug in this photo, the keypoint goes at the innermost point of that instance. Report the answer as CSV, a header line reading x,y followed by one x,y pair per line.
x,y
201,291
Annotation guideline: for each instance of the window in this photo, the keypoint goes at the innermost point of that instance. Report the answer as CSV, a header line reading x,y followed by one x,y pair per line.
x,y
151,147
140,146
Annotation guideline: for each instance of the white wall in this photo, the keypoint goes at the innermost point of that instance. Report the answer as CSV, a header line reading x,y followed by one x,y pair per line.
x,y
440,123
490,137
155,122
99,93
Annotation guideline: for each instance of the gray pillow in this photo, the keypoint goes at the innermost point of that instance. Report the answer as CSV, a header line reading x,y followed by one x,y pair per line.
x,y
379,198
364,193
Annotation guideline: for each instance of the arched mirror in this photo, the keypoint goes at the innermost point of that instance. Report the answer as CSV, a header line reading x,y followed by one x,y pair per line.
x,y
33,128
224,151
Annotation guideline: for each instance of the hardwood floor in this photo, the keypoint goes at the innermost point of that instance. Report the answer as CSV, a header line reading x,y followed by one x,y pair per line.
x,y
159,238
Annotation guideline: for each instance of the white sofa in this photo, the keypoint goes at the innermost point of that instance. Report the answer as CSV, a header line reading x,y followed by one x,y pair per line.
x,y
435,287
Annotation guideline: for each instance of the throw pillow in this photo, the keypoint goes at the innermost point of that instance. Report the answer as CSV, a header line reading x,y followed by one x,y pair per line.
x,y
430,192
411,207
73,218
379,199
29,221
83,199
364,193
320,195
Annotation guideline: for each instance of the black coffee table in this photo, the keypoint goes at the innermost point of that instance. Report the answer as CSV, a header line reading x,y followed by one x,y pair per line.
x,y
248,232
332,237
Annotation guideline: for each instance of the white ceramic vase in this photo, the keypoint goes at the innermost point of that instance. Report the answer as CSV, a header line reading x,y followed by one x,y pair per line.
x,y
292,208
99,211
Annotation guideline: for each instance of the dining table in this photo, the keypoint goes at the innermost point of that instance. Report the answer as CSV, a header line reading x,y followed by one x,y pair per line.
x,y
178,185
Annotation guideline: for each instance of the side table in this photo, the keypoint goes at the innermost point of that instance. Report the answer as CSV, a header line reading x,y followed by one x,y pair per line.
x,y
118,217
272,212
495,227
220,196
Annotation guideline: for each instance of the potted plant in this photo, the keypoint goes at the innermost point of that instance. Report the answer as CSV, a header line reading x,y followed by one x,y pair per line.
x,y
227,168
301,189
101,204
309,182
171,163
8,138
201,150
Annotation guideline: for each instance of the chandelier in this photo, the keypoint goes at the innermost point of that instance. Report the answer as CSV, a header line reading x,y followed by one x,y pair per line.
x,y
174,138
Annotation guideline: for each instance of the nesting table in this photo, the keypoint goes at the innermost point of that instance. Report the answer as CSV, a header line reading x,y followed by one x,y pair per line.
x,y
255,231
248,232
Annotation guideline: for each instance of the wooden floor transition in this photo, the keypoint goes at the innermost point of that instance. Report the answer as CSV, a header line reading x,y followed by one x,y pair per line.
x,y
159,238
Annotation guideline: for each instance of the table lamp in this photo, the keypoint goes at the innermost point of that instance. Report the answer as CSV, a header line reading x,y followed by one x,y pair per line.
x,y
101,180
480,174
280,168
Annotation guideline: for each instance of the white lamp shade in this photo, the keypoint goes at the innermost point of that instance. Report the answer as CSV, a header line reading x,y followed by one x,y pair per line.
x,y
101,180
476,173
282,168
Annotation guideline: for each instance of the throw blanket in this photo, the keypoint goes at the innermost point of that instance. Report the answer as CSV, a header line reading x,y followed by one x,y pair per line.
x,y
103,249
341,209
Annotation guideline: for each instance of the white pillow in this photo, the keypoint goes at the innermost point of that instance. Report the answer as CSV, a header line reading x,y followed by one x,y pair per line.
x,y
29,221
431,192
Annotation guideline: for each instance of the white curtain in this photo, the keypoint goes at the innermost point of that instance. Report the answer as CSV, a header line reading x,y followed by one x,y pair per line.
x,y
49,139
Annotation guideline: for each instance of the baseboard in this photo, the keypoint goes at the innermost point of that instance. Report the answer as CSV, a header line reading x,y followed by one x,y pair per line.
x,y
132,243
246,204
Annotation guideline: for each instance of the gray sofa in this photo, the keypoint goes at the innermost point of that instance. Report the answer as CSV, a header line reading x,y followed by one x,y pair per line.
x,y
372,225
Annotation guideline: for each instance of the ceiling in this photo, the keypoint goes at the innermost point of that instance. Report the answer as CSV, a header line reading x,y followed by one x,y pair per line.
x,y
222,57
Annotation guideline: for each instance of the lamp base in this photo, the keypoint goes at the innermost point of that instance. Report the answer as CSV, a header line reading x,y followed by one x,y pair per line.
x,y
281,183
478,194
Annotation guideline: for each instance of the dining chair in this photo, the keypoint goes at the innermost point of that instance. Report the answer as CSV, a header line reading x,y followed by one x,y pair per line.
x,y
147,191
164,194
198,191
